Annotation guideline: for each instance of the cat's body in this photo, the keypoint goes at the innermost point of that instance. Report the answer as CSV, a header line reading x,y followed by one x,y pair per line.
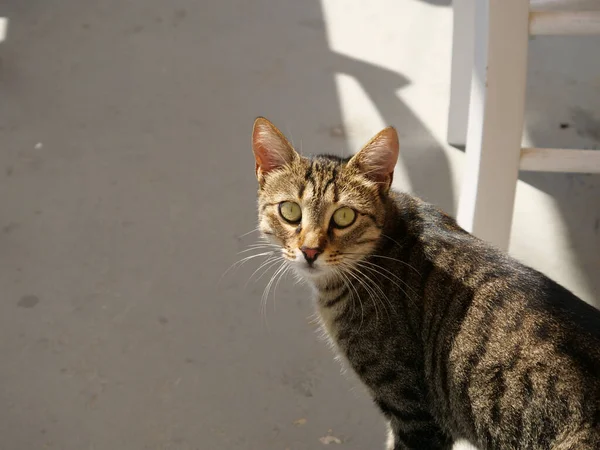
x,y
471,344
454,339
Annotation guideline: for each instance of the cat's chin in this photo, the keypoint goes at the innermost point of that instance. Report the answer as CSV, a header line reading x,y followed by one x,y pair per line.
x,y
313,273
306,271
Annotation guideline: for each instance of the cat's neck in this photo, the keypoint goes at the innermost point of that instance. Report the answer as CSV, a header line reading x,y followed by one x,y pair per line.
x,y
325,285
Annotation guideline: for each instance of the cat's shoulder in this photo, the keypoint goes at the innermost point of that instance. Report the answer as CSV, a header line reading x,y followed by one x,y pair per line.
x,y
438,233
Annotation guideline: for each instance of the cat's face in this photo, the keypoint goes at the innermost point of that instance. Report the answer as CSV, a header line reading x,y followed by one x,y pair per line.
x,y
325,213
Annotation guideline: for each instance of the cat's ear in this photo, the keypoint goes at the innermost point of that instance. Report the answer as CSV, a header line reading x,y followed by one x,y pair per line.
x,y
378,158
271,149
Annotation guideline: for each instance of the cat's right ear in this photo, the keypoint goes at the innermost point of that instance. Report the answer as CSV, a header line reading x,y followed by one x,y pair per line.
x,y
271,149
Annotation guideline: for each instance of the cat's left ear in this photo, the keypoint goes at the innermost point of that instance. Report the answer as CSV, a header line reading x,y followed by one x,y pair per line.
x,y
378,158
271,149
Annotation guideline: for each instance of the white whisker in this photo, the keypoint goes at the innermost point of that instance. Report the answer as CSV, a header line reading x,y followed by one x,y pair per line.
x,y
351,272
249,232
242,261
266,264
376,268
383,257
283,274
265,295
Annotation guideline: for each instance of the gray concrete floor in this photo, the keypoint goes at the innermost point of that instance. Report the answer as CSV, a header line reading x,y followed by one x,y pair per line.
x,y
127,184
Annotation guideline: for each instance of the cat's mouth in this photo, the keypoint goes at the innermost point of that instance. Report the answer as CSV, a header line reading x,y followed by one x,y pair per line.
x,y
311,268
308,267
310,271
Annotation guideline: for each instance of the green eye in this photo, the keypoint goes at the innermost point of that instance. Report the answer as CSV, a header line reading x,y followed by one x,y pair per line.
x,y
290,211
344,217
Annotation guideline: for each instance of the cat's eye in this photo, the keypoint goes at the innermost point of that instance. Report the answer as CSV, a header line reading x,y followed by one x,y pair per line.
x,y
290,211
344,217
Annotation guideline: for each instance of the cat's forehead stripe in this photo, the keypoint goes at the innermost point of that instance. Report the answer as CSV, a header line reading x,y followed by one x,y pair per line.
x,y
330,182
322,174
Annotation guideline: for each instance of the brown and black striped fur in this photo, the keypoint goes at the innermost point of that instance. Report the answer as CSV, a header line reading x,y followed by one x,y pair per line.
x,y
453,338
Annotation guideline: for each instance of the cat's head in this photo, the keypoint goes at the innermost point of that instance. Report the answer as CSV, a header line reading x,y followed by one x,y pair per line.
x,y
326,213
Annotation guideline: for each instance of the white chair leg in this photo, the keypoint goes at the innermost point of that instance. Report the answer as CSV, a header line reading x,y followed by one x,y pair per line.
x,y
496,114
3,28
463,36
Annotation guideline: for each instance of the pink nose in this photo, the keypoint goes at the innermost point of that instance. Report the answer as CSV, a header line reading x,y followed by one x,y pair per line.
x,y
310,254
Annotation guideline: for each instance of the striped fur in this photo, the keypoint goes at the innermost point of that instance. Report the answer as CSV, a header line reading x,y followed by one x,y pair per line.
x,y
454,339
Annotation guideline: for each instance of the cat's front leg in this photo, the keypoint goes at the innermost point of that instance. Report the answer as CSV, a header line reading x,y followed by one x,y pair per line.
x,y
421,436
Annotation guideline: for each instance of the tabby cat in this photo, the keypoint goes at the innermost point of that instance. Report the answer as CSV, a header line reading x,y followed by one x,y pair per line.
x,y
453,338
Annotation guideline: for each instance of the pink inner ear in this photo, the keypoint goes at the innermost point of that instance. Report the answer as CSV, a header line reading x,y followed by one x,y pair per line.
x,y
271,149
378,158
266,159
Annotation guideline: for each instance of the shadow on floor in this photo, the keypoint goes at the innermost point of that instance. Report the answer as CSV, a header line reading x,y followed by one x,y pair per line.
x,y
126,182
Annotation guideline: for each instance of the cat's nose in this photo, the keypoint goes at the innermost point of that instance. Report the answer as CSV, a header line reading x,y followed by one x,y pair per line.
x,y
310,254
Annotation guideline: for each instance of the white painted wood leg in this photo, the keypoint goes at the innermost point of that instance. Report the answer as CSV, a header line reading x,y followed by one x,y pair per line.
x,y
496,113
463,36
3,28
